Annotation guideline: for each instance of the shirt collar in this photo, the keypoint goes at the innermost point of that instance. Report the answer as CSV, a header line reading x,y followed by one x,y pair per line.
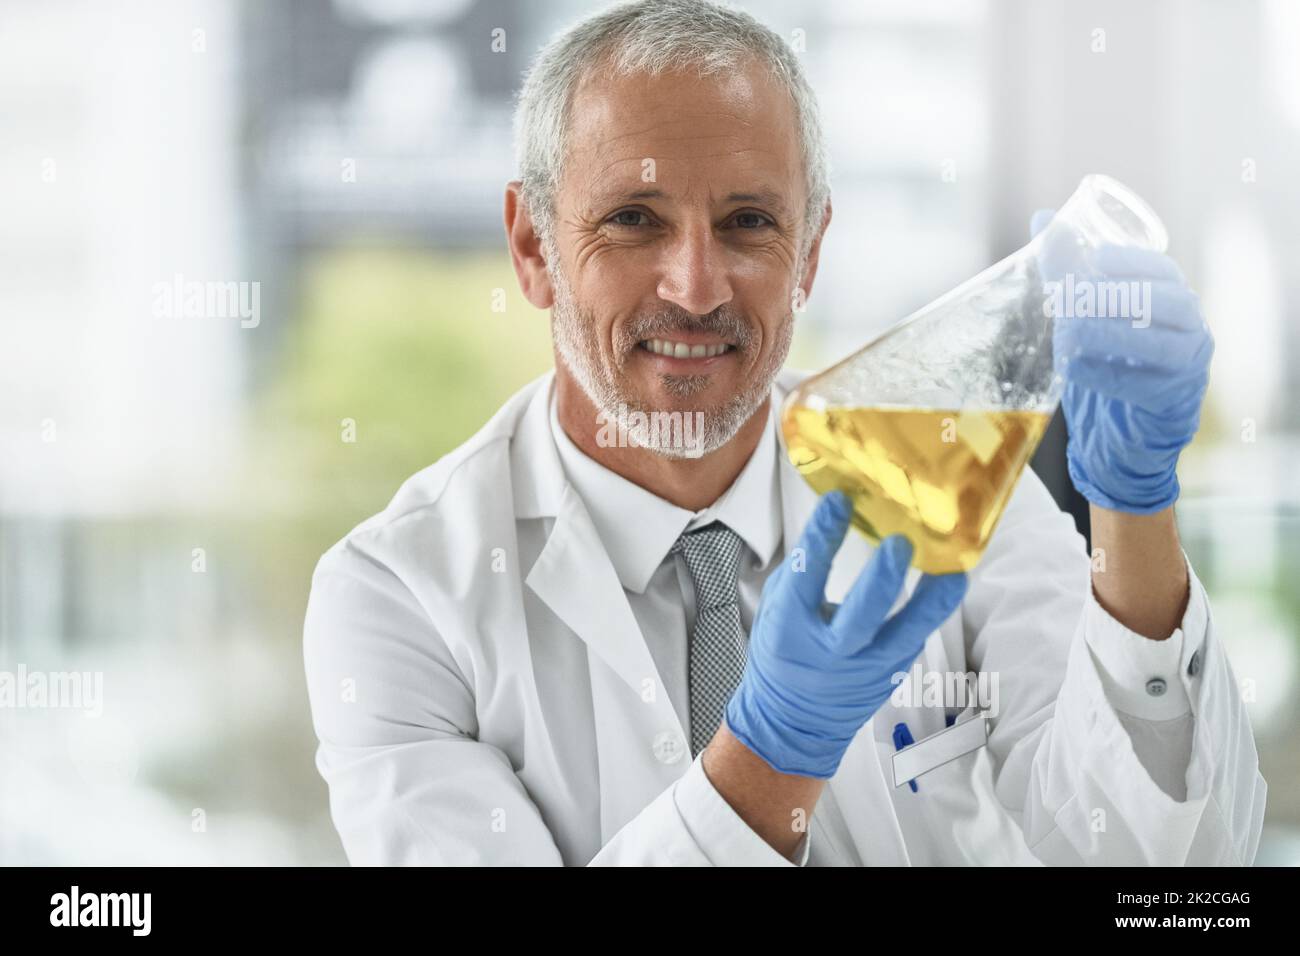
x,y
639,528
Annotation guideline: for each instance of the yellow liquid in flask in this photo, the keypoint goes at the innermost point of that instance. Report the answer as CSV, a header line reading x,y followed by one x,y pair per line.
x,y
940,477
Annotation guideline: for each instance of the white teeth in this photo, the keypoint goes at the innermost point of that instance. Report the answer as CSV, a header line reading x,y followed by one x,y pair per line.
x,y
682,350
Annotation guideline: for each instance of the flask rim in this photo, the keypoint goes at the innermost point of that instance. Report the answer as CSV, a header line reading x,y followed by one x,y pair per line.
x,y
1095,185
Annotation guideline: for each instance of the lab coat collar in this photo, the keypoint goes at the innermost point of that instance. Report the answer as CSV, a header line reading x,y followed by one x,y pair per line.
x,y
541,490
574,575
536,478
638,528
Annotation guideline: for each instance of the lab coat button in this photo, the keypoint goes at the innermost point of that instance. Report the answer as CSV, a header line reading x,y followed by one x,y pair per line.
x,y
668,747
1155,686
1194,665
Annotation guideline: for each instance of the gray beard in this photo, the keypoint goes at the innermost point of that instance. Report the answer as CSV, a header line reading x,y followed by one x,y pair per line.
x,y
579,350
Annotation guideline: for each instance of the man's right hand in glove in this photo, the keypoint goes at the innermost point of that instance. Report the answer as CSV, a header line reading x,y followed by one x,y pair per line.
x,y
815,674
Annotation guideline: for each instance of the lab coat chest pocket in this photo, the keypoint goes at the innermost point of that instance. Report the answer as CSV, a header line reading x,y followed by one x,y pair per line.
x,y
952,817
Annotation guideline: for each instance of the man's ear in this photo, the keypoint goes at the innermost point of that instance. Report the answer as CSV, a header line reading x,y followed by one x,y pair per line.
x,y
814,254
526,250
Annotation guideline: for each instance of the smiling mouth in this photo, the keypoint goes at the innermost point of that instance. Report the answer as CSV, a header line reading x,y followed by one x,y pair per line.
x,y
672,348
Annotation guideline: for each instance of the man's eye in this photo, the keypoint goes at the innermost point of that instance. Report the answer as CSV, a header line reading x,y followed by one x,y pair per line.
x,y
621,218
751,220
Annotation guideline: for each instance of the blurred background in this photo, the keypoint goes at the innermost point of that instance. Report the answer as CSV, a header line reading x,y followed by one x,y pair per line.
x,y
169,475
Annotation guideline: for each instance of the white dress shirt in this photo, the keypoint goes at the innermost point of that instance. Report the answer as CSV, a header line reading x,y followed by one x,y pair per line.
x,y
639,528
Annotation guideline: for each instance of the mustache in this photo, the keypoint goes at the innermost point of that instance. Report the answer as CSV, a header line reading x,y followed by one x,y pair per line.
x,y
725,323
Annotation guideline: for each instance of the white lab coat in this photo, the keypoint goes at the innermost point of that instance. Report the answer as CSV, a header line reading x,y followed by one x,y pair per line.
x,y
482,694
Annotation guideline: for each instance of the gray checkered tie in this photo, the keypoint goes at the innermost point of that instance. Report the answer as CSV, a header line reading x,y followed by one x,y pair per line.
x,y
717,653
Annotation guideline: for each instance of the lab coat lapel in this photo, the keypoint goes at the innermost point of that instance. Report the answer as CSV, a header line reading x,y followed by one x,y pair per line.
x,y
573,575
859,786
576,579
640,741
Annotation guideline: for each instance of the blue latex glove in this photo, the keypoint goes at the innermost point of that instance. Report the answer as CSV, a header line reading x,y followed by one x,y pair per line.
x,y
813,677
1134,384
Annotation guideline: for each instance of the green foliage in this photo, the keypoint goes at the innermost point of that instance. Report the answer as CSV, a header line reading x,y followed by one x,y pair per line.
x,y
404,343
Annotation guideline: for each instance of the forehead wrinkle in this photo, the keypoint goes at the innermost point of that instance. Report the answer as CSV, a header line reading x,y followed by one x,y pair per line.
x,y
605,171
666,112
617,138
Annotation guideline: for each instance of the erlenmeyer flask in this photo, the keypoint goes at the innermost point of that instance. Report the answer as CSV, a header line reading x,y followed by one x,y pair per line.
x,y
929,426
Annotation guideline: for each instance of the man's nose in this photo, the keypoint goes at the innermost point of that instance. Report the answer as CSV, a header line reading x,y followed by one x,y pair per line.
x,y
695,276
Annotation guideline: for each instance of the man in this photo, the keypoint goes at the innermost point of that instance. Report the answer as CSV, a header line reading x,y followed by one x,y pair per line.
x,y
557,648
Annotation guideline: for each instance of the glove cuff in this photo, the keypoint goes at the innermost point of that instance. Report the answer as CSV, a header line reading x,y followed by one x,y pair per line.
x,y
1142,495
783,748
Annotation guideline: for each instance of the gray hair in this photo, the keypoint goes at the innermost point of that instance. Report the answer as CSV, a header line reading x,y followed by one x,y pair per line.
x,y
653,36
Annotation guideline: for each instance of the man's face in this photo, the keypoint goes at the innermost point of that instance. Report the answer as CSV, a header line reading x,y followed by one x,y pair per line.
x,y
678,228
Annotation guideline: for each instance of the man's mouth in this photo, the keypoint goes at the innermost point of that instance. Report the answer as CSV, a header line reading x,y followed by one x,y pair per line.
x,y
678,349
